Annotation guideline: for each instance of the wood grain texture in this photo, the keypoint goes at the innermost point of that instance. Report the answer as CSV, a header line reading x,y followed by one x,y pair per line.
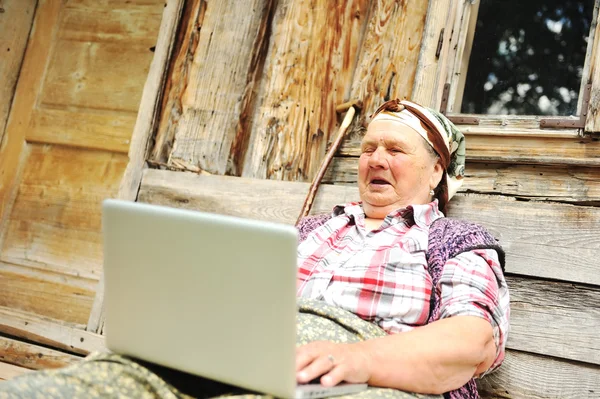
x,y
34,64
218,80
10,371
55,222
32,356
592,123
555,319
144,128
389,53
49,332
526,376
527,149
45,298
538,237
15,24
555,183
86,128
430,74
308,72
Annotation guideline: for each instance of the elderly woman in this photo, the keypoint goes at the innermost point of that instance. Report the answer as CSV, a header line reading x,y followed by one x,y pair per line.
x,y
435,286
425,295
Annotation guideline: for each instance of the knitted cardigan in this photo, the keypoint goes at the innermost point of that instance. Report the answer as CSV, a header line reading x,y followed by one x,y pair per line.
x,y
447,239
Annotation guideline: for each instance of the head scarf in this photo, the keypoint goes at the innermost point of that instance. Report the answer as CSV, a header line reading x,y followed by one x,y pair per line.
x,y
441,134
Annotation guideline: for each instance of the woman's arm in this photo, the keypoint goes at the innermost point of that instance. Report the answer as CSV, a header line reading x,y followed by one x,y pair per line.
x,y
434,359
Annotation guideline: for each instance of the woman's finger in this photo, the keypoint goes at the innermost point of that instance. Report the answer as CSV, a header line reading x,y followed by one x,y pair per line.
x,y
338,374
316,368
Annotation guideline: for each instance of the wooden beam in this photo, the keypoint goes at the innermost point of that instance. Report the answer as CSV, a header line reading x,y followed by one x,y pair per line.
x,y
562,183
32,356
554,319
15,23
538,237
28,87
527,149
527,376
10,371
144,128
592,70
308,71
62,336
431,68
222,73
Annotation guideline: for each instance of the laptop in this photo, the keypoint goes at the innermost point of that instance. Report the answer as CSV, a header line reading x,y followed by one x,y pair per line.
x,y
206,294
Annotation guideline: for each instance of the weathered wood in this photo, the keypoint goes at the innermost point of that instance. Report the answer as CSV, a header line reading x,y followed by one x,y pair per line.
x,y
184,46
10,371
45,298
26,93
45,331
592,69
526,376
538,237
308,72
555,183
218,80
555,319
527,149
389,53
144,128
55,222
15,24
431,67
110,131
33,357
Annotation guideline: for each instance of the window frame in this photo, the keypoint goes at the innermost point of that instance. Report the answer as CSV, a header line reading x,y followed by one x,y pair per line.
x,y
462,18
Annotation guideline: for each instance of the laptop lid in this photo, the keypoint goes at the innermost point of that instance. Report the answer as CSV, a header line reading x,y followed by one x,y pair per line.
x,y
208,294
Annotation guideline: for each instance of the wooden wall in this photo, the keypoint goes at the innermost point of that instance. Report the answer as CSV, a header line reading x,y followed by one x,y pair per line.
x,y
260,100
65,145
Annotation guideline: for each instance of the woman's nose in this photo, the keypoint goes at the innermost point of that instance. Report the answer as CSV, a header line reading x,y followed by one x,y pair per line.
x,y
378,159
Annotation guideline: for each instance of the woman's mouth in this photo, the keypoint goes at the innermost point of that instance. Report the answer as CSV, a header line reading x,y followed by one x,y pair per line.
x,y
379,182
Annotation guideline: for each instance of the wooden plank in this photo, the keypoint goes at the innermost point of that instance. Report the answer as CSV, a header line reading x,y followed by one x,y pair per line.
x,y
389,54
554,319
502,149
592,123
431,67
28,87
15,24
56,220
45,298
121,21
81,127
308,72
274,201
556,183
10,371
96,75
32,356
538,237
526,376
222,73
49,332
144,128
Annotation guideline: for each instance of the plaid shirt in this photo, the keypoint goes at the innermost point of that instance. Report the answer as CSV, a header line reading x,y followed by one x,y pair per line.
x,y
382,275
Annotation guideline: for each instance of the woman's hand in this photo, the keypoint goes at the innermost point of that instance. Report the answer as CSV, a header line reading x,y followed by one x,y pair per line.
x,y
334,362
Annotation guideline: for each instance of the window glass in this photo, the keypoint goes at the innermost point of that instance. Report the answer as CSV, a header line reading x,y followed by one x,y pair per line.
x,y
527,57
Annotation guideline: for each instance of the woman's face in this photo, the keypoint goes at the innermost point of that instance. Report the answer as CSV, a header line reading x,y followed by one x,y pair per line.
x,y
395,169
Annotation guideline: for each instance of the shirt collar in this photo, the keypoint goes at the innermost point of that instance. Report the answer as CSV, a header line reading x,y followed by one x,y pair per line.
x,y
420,214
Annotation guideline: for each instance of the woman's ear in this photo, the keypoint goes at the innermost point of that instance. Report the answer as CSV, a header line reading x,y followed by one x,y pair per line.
x,y
436,176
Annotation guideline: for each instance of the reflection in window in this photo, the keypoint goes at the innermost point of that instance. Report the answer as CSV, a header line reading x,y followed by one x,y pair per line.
x,y
527,57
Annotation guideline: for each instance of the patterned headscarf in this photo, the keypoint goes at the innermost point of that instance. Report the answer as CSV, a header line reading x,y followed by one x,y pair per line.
x,y
441,134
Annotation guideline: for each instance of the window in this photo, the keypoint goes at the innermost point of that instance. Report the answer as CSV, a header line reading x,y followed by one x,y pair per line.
x,y
521,65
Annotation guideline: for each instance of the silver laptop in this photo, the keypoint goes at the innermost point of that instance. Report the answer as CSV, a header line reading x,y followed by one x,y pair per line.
x,y
207,294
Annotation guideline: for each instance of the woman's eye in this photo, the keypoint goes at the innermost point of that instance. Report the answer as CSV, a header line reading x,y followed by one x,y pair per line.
x,y
396,150
368,150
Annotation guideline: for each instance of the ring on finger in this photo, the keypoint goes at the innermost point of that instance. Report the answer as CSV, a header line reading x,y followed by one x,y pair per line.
x,y
331,358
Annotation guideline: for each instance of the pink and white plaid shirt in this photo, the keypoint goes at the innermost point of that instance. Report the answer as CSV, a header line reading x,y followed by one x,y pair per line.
x,y
382,275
